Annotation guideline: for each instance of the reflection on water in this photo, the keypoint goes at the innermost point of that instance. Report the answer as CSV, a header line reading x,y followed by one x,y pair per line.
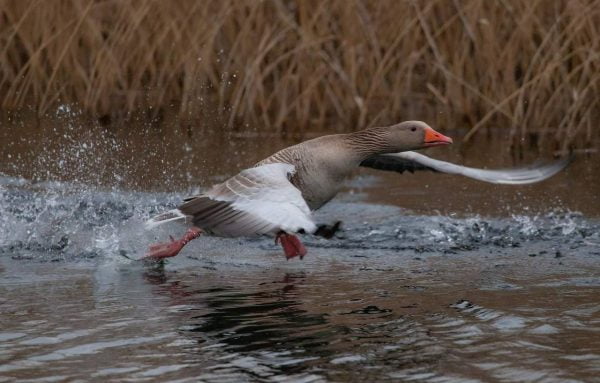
x,y
334,320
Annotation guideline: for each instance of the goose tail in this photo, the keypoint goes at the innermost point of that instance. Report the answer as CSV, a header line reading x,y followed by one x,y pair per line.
x,y
168,216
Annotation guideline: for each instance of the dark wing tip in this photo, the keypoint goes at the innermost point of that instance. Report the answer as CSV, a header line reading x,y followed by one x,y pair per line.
x,y
394,164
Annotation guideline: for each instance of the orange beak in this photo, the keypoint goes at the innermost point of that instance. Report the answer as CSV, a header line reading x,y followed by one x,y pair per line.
x,y
433,138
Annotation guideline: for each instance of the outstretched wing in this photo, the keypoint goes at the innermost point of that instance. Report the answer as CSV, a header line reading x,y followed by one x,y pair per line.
x,y
411,161
258,200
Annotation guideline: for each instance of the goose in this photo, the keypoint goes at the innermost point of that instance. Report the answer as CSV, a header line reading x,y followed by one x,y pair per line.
x,y
277,195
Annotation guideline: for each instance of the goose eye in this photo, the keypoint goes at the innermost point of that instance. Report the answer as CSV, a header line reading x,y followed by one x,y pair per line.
x,y
413,129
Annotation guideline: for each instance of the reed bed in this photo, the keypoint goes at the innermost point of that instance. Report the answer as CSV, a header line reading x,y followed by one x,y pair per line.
x,y
529,66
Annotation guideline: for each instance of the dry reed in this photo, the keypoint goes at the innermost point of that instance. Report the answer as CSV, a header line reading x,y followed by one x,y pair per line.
x,y
530,66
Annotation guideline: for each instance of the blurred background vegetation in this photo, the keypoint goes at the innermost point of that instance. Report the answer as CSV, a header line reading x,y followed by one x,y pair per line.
x,y
528,67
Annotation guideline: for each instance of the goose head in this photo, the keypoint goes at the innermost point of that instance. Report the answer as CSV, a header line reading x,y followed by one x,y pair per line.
x,y
413,135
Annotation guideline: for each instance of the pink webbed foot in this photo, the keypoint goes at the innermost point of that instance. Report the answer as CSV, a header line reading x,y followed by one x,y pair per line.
x,y
170,249
292,247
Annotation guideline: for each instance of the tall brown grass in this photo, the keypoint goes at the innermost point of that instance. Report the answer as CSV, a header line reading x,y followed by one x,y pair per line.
x,y
530,66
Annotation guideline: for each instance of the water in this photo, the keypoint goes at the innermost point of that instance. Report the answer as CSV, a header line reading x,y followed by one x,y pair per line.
x,y
421,285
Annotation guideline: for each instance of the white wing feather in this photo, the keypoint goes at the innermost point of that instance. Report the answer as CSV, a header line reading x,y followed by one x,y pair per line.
x,y
517,176
258,200
265,192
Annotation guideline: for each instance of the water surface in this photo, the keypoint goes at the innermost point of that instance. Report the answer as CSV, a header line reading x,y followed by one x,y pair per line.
x,y
433,278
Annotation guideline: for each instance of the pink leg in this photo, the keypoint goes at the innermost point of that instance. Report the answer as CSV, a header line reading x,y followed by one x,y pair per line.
x,y
171,249
292,247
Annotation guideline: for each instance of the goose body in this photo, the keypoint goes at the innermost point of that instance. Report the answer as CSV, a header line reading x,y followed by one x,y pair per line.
x,y
320,167
276,196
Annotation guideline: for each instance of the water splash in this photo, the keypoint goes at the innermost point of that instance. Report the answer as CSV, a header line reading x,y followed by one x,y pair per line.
x,y
57,220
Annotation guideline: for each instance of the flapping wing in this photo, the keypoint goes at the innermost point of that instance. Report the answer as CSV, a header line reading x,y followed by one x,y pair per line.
x,y
258,200
394,163
411,161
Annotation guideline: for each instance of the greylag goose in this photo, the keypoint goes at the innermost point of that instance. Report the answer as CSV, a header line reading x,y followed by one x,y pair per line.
x,y
276,196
